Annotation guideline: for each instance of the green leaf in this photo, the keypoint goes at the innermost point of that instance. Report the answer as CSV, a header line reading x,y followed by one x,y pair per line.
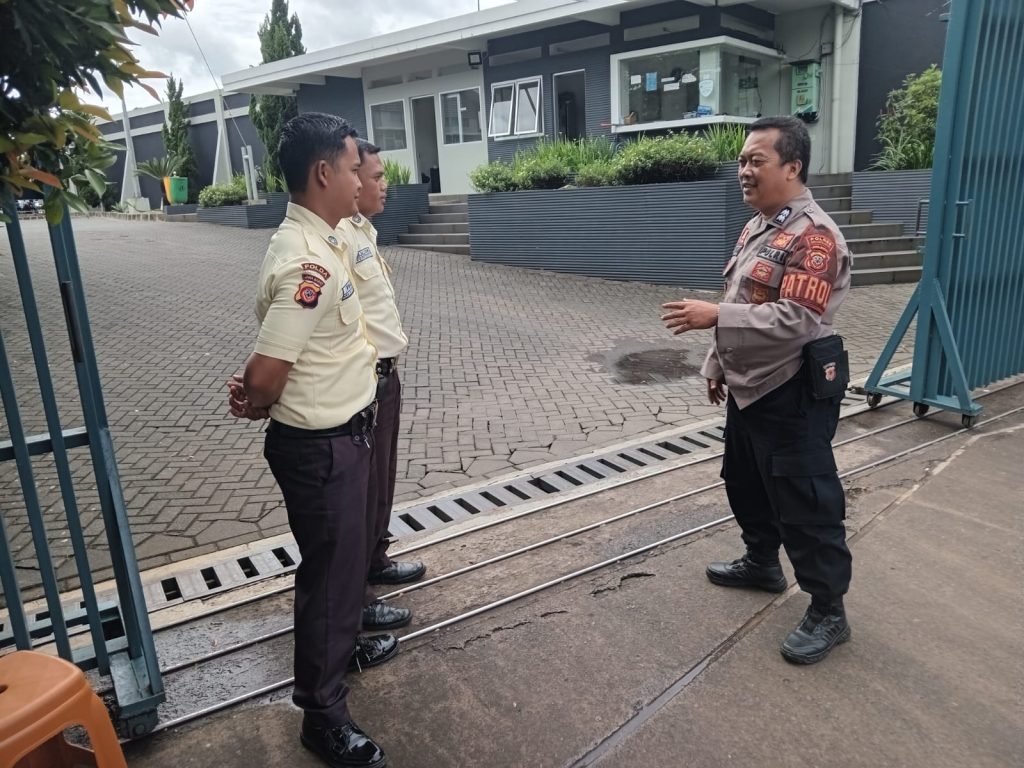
x,y
97,181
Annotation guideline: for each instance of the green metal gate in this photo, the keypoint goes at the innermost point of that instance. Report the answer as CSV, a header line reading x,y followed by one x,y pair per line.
x,y
970,301
113,636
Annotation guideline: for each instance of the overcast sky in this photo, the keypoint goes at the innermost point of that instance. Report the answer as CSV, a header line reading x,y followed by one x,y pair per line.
x,y
226,30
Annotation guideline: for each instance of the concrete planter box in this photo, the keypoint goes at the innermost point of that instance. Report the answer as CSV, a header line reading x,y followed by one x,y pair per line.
x,y
259,216
893,196
406,203
179,210
676,234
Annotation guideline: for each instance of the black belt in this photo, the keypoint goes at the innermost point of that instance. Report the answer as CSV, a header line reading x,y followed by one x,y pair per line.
x,y
360,424
386,366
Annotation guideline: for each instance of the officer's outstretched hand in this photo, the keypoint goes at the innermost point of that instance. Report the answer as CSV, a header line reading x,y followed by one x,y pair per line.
x,y
717,392
689,315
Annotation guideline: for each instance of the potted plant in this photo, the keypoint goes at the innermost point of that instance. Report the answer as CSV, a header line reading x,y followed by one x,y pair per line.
x,y
163,169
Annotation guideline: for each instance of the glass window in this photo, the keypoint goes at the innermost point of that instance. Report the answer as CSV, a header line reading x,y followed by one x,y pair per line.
x,y
460,115
501,109
528,107
388,123
667,86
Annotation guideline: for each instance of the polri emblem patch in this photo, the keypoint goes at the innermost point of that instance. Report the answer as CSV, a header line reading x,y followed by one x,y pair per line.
x,y
308,295
364,254
783,239
763,272
347,290
783,216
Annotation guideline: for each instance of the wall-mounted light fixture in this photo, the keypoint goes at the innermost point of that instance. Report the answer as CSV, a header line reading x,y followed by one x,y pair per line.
x,y
475,58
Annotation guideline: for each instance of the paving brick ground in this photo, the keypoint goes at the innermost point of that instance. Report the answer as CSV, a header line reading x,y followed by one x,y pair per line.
x,y
507,368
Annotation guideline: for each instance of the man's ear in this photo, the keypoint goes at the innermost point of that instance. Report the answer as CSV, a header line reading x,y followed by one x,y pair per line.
x,y
319,173
795,167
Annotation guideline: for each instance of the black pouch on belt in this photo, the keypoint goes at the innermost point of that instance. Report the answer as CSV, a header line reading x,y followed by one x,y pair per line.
x,y
827,367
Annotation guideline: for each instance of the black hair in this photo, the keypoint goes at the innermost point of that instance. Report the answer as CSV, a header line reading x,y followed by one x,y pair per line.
x,y
366,148
307,139
794,142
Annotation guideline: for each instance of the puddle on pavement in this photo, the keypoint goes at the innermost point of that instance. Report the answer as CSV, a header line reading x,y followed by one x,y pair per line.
x,y
647,363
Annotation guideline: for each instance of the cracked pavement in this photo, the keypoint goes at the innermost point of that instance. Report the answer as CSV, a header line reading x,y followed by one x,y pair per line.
x,y
507,368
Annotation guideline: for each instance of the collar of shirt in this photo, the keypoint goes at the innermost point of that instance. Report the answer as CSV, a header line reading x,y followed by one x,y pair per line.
x,y
313,225
795,206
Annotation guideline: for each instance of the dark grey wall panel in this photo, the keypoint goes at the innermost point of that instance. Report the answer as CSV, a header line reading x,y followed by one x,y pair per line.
x,y
236,100
405,205
677,234
147,147
200,108
898,38
242,131
893,195
148,119
204,144
338,96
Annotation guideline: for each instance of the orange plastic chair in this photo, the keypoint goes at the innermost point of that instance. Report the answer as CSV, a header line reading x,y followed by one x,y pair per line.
x,y
42,695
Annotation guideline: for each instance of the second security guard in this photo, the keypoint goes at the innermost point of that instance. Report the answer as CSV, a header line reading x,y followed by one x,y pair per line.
x,y
371,274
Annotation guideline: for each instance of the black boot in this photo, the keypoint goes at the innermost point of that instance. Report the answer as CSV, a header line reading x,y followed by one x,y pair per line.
x,y
821,629
748,571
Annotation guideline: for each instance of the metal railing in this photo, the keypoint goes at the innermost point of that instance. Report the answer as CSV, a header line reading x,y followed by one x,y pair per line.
x,y
118,641
970,317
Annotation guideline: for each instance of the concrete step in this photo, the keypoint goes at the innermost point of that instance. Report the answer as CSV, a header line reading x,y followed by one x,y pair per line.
x,y
882,244
443,218
829,204
861,231
827,179
886,276
448,239
462,250
833,190
438,229
449,208
442,198
889,260
843,218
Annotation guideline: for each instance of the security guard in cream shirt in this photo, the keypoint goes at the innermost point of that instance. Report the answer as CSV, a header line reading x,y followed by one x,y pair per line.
x,y
313,370
371,275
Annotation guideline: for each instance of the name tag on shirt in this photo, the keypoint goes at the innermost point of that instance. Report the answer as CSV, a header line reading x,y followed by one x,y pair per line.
x,y
777,255
364,254
347,290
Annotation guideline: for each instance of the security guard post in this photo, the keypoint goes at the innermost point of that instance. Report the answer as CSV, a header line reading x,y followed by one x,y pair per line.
x,y
313,372
776,360
371,276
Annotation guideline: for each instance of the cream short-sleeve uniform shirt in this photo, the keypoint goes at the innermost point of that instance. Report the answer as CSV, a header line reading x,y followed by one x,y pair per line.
x,y
310,315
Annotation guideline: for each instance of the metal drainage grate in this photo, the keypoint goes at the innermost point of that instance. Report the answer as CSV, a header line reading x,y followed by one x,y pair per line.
x,y
459,506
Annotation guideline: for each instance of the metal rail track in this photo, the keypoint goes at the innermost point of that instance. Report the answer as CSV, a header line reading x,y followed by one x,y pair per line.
x,y
559,579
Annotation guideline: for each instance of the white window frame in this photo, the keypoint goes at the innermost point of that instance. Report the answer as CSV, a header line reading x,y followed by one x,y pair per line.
x,y
554,96
457,93
513,131
405,122
722,41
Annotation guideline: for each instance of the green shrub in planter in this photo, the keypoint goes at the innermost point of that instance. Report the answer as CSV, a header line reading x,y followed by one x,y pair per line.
x,y
216,195
396,173
540,172
666,159
494,177
726,141
600,173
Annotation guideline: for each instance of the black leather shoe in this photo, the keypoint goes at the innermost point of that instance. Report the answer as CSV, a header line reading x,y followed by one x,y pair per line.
x,y
380,615
343,746
398,573
747,572
819,631
371,651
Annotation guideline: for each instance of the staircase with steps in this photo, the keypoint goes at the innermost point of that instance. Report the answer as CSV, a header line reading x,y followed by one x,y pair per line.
x,y
882,252
445,228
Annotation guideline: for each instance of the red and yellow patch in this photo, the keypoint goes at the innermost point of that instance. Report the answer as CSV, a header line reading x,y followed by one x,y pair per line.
x,y
311,267
783,239
308,295
763,272
807,290
759,295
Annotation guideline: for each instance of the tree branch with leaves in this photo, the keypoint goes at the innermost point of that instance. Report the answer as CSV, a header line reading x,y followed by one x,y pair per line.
x,y
52,55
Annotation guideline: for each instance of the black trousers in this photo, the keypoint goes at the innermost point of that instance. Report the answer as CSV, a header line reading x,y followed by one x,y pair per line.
x,y
324,482
780,476
383,468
